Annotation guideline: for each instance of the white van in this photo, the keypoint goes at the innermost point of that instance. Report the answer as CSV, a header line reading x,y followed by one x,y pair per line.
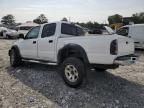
x,y
25,27
136,32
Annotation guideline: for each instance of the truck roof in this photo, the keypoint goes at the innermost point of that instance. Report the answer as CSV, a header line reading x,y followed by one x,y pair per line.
x,y
134,25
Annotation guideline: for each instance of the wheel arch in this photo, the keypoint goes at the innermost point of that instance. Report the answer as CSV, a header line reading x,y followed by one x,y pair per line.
x,y
74,50
15,47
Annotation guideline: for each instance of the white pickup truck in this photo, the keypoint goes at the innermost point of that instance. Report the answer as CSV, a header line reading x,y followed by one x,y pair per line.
x,y
66,45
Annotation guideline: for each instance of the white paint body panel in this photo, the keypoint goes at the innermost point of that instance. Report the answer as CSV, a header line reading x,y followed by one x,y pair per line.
x,y
97,47
27,48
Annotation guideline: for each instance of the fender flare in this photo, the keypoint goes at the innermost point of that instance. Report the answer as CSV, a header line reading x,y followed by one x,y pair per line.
x,y
74,47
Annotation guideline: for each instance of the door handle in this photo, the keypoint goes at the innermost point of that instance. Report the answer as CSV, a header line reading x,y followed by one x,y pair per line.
x,y
50,41
34,42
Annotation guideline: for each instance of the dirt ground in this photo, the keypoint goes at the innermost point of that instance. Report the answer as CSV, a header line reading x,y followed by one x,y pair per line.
x,y
34,85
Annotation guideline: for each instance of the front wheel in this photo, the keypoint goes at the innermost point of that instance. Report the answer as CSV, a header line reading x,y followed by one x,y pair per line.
x,y
15,59
73,71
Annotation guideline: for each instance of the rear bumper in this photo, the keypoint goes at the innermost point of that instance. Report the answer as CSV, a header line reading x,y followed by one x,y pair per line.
x,y
139,45
126,60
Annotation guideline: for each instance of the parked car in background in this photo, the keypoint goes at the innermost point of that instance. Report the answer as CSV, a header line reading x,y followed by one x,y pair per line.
x,y
10,34
25,27
136,32
2,29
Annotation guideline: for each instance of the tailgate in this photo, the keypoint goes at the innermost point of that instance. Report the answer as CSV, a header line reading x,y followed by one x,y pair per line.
x,y
125,46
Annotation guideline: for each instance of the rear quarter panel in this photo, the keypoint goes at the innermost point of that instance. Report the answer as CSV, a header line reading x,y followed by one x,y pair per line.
x,y
97,47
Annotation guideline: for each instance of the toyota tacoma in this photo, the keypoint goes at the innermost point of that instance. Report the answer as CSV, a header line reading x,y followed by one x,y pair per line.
x,y
66,44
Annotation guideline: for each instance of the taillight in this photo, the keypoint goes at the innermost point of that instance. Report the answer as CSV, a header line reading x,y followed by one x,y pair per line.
x,y
114,47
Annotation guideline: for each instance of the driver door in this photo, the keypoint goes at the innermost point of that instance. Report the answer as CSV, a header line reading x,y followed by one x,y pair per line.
x,y
28,46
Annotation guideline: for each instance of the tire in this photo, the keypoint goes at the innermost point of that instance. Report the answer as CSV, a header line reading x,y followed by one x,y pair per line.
x,y
73,71
7,37
15,59
99,69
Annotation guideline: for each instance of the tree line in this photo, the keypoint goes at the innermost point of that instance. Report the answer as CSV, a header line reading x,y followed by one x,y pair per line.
x,y
137,18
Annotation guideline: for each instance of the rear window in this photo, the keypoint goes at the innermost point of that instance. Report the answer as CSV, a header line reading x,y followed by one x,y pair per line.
x,y
70,29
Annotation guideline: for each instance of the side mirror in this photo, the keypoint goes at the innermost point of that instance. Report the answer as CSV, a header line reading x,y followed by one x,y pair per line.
x,y
21,36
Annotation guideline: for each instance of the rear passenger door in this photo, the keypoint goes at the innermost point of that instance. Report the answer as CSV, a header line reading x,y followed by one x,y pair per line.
x,y
47,42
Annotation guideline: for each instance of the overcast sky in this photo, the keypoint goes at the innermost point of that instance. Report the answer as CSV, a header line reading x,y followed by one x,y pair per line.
x,y
77,10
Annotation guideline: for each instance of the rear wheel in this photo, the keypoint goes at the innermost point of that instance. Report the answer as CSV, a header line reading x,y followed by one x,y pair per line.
x,y
15,59
73,71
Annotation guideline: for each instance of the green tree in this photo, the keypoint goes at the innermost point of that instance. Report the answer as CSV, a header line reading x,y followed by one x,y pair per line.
x,y
65,19
90,25
96,25
8,20
138,18
41,19
115,19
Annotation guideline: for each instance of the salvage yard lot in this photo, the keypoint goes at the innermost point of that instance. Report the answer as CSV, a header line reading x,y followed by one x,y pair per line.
x,y
40,86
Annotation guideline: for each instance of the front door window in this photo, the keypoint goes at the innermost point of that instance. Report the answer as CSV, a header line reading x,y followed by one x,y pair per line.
x,y
33,33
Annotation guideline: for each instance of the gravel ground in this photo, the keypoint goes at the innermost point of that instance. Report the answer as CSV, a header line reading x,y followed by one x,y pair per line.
x,y
36,85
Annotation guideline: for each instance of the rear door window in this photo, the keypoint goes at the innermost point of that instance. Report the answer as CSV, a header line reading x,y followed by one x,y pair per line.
x,y
48,30
70,29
